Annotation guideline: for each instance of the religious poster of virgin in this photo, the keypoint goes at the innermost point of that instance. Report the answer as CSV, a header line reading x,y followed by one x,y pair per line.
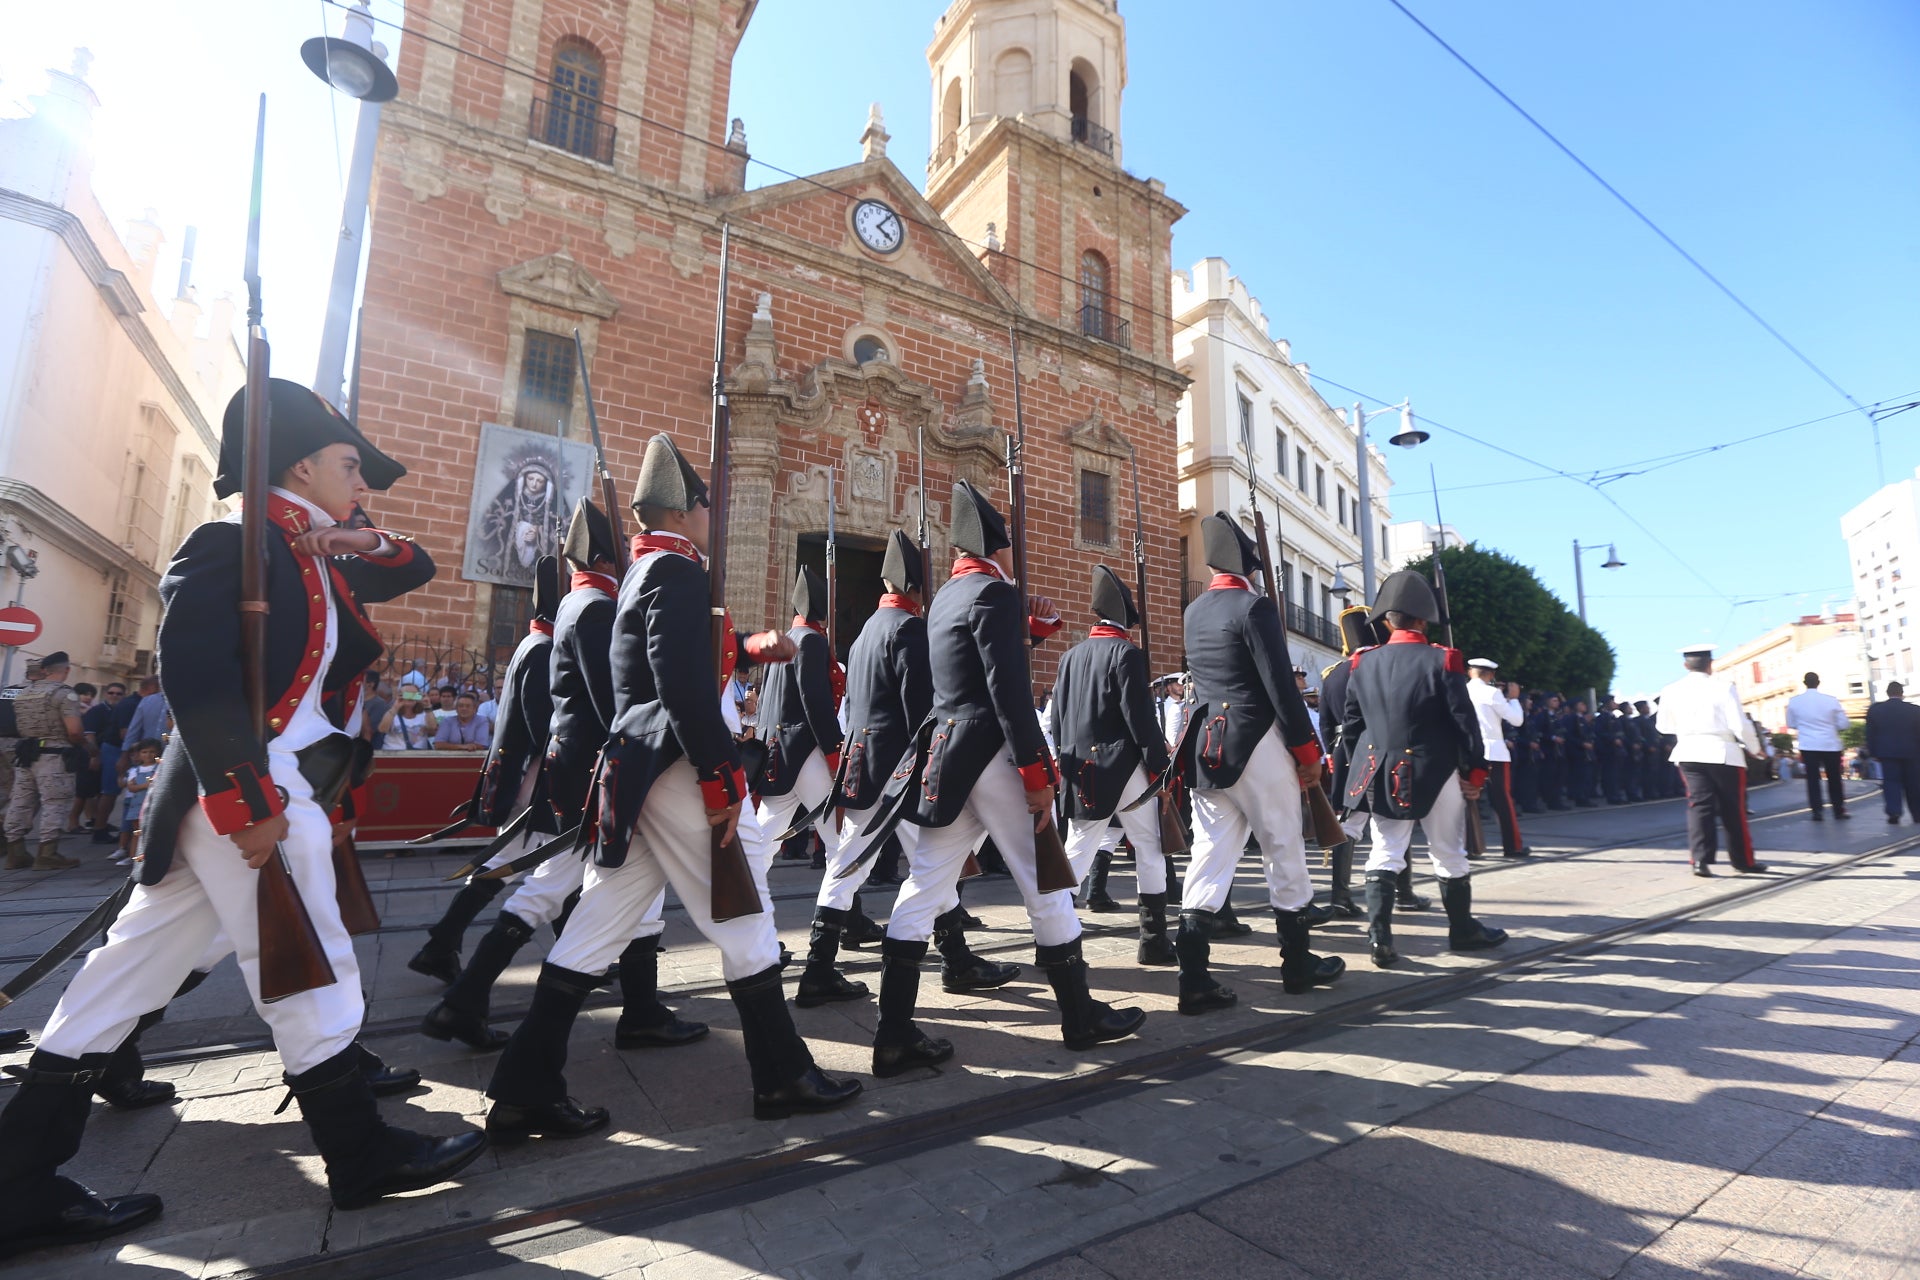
x,y
525,484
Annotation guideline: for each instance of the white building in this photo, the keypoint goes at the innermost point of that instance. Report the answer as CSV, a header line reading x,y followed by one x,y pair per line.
x,y
1883,542
109,411
1410,542
1771,668
1253,414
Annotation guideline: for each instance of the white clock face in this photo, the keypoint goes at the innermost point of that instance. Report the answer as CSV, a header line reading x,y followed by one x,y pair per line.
x,y
879,227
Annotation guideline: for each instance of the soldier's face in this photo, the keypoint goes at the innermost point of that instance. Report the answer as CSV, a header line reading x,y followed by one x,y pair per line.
x,y
330,480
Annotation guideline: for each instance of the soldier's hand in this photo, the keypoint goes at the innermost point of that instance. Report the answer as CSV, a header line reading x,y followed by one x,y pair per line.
x,y
771,646
257,841
1039,802
1309,772
1468,791
728,819
337,541
1043,608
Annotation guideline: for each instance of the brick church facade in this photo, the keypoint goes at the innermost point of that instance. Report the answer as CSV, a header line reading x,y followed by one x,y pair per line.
x,y
582,182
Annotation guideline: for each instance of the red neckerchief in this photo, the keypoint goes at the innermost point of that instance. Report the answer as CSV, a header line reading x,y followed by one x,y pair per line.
x,y
1408,637
537,627
1229,582
809,624
905,603
645,543
974,564
598,581
1107,631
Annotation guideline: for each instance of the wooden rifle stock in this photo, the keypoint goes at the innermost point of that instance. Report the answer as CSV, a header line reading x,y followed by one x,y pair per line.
x,y
292,958
1326,823
732,891
350,887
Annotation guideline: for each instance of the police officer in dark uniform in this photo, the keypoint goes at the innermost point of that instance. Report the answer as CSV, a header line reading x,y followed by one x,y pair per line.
x,y
1653,753
1609,749
510,775
1580,754
1416,756
1553,772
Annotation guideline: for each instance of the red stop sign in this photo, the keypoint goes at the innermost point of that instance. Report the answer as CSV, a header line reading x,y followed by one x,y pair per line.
x,y
18,625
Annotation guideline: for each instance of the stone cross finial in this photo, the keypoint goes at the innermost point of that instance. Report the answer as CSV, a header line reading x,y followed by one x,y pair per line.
x,y
873,142
993,238
737,136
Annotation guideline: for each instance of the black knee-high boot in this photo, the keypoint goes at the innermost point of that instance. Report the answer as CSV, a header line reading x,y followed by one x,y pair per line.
x,y
1226,924
645,1023
124,1085
462,1012
1084,1021
821,982
1300,969
1464,933
1408,899
529,1086
785,1080
1193,946
1155,947
859,930
366,1157
1098,899
1381,890
898,1045
961,970
1341,895
40,1130
440,958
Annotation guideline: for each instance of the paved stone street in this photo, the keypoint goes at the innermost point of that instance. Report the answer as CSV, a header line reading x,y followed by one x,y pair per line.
x,y
1737,1095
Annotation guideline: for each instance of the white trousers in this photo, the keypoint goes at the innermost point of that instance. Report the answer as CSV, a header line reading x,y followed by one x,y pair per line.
x,y
776,813
1265,802
1445,827
169,928
1087,837
539,898
670,845
836,892
997,808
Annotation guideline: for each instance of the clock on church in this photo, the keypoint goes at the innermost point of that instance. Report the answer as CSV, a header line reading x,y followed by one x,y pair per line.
x,y
878,226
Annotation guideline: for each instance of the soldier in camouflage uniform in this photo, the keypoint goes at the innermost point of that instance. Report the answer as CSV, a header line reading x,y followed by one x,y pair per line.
x,y
48,716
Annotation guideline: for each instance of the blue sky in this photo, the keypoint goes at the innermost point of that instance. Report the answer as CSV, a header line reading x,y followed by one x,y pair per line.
x,y
1407,231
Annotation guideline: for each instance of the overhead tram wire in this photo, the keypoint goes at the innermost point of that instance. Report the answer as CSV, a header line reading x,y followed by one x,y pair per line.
x,y
1655,227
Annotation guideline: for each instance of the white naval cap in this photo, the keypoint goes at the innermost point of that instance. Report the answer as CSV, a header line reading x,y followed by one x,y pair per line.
x,y
1486,663
1690,650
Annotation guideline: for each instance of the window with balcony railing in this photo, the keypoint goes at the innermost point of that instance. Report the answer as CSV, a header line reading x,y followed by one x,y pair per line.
x,y
1089,134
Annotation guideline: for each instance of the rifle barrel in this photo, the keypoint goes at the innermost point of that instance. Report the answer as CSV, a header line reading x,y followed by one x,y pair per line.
x,y
608,493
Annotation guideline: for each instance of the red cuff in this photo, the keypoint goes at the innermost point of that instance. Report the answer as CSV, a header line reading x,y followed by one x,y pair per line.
x,y
1041,628
1306,752
727,789
1036,775
757,646
250,801
833,762
402,551
1476,777
1456,662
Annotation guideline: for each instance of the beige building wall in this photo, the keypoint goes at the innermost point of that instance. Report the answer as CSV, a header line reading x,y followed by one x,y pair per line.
x,y
1252,414
109,408
1770,669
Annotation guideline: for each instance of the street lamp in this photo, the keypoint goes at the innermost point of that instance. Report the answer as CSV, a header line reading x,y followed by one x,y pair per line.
x,y
1406,437
1613,561
1340,587
354,66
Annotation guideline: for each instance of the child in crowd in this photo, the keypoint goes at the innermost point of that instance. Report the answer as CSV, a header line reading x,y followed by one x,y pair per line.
x,y
146,756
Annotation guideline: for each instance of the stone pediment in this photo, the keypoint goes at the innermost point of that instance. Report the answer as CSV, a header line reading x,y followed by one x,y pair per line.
x,y
1097,435
557,281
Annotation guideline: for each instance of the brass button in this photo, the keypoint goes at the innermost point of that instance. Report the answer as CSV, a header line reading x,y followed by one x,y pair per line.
x,y
305,679
275,722
319,626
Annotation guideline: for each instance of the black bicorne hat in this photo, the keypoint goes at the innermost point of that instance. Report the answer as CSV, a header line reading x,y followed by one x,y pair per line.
x,y
1112,602
589,536
1227,546
1409,593
810,595
668,480
546,588
1356,629
904,566
978,530
299,422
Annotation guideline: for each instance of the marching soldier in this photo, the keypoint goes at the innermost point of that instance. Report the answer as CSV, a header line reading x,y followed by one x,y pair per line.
x,y
669,775
1356,635
50,749
580,707
889,694
799,717
1110,751
1713,738
984,772
1416,756
510,775
221,804
1495,707
1256,752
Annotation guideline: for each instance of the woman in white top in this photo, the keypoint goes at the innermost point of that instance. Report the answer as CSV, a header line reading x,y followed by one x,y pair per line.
x,y
408,725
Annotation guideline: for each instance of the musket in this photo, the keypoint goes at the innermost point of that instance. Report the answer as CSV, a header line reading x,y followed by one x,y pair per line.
x,y
1476,835
609,496
833,575
292,958
1326,824
1173,837
1052,870
733,892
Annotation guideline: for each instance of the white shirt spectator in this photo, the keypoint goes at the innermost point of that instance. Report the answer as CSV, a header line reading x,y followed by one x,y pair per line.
x,y
1817,720
1703,711
1494,708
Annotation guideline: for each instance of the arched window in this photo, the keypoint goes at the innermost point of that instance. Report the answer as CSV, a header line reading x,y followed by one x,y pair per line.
x,y
1012,82
949,124
572,110
1083,106
1096,316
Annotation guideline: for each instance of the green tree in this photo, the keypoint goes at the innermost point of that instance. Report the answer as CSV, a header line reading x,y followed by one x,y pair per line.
x,y
1501,611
